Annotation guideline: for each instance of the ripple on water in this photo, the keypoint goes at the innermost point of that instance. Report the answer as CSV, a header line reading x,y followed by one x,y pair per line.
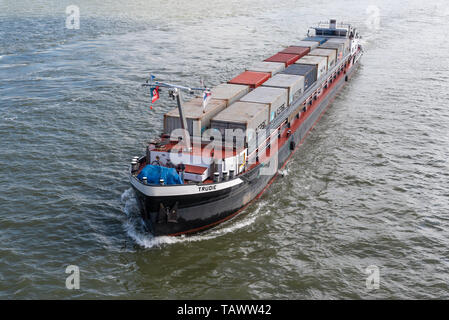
x,y
367,187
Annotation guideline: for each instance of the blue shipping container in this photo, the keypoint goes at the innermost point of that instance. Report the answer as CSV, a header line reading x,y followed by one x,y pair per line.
x,y
308,71
319,39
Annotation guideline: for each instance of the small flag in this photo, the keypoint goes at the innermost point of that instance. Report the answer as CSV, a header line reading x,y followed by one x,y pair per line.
x,y
206,98
154,94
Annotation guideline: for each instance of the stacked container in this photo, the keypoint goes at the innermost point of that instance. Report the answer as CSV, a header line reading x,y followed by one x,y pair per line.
x,y
307,71
197,120
285,58
244,116
319,62
251,78
293,83
267,67
339,47
307,44
300,51
275,98
319,39
344,41
330,54
230,93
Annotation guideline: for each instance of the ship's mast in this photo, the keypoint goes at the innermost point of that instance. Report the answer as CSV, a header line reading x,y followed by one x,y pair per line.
x,y
175,93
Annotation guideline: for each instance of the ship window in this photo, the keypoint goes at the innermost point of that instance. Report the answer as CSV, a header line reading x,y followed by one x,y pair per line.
x,y
330,32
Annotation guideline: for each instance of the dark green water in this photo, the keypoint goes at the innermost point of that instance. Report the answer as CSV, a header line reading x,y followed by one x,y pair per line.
x,y
368,187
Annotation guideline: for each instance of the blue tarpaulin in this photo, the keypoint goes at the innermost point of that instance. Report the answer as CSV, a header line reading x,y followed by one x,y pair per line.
x,y
155,173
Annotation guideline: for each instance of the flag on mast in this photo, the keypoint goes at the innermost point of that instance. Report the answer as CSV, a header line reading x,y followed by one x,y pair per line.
x,y
206,98
154,95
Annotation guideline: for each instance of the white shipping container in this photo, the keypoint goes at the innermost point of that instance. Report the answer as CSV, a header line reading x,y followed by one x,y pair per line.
x,y
333,45
293,83
197,120
330,54
229,92
276,98
268,67
308,44
318,61
242,115
344,41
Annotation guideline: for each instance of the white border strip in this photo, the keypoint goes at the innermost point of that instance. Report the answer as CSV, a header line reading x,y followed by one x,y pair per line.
x,y
181,190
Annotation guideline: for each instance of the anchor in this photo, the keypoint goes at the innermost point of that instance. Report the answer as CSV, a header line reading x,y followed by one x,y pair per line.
x,y
172,216
167,215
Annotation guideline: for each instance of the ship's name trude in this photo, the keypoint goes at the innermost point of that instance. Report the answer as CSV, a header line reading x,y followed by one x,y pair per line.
x,y
207,188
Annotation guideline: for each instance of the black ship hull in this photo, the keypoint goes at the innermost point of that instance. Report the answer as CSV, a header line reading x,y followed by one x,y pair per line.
x,y
189,212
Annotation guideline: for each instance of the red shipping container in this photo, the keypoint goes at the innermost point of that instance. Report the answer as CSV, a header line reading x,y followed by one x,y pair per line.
x,y
251,78
301,51
286,58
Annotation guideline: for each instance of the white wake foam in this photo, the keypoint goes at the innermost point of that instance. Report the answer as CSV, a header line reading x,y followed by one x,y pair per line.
x,y
134,225
283,172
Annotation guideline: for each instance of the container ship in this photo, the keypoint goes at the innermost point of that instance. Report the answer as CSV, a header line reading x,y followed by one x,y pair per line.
x,y
220,152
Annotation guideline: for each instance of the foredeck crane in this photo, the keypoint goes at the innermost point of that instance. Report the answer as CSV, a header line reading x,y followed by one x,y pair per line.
x,y
175,93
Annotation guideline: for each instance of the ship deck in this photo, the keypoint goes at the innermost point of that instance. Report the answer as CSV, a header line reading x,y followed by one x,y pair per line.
x,y
284,129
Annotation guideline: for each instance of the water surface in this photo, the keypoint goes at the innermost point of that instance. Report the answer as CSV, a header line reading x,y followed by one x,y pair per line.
x,y
368,187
